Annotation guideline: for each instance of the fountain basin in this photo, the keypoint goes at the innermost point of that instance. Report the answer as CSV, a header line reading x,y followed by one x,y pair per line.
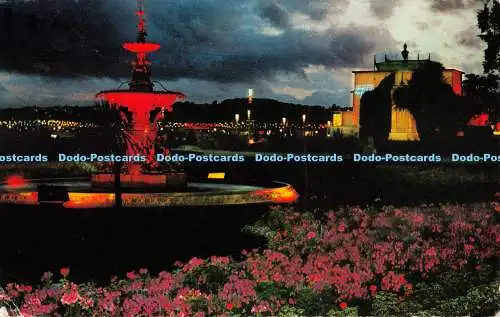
x,y
79,193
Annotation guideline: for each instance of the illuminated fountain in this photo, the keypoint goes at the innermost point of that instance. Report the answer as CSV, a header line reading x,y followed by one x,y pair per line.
x,y
140,99
144,185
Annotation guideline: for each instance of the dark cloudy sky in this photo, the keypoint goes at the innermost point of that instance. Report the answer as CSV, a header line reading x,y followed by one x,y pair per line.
x,y
64,51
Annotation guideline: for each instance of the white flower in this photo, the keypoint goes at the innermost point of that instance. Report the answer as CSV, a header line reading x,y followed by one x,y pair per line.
x,y
4,312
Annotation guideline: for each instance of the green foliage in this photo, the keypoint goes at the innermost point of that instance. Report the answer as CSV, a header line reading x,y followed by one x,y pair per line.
x,y
259,229
483,300
198,304
348,312
314,303
291,311
386,304
488,21
207,278
269,290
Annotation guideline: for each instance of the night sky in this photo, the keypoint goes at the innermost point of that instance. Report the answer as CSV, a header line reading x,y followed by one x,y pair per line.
x,y
64,51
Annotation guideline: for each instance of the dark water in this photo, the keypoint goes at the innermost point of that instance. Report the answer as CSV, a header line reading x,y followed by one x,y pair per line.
x,y
97,244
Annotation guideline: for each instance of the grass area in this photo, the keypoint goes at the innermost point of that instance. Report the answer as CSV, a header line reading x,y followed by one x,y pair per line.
x,y
50,169
442,174
414,174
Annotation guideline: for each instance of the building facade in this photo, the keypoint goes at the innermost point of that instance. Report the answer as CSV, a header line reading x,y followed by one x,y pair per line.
x,y
403,126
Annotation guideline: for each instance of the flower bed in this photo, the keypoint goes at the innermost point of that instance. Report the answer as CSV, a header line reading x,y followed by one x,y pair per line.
x,y
428,261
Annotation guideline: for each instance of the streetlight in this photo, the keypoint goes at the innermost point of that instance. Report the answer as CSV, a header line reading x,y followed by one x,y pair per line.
x,y
250,95
237,118
249,112
304,118
284,121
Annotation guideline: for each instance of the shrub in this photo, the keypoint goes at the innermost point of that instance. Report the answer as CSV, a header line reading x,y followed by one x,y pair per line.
x,y
433,260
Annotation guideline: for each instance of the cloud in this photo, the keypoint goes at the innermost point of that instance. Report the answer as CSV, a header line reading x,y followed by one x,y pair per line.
x,y
58,38
201,39
314,9
327,98
469,38
454,5
6,96
275,13
383,9
423,26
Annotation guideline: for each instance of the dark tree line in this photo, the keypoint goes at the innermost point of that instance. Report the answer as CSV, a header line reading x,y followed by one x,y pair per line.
x,y
483,90
262,110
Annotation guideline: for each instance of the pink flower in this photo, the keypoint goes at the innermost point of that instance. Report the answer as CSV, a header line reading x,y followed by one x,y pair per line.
x,y
229,306
341,227
343,305
25,288
143,271
46,276
70,298
132,275
311,235
192,264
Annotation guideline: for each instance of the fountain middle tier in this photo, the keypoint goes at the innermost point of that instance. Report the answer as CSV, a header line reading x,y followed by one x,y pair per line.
x,y
143,128
140,104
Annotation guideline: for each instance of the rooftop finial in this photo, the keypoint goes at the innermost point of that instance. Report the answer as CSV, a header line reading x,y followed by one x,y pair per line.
x,y
405,52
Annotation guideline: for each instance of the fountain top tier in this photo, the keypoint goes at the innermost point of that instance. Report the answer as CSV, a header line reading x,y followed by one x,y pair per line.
x,y
141,70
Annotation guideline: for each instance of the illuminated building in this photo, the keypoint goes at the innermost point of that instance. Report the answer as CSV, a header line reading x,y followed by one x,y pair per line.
x,y
403,126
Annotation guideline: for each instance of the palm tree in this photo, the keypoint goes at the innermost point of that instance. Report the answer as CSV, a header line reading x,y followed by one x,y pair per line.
x,y
115,121
376,110
432,102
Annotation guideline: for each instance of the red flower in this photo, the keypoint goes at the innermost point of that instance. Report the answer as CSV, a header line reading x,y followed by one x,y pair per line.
x,y
311,235
343,305
64,272
372,288
229,306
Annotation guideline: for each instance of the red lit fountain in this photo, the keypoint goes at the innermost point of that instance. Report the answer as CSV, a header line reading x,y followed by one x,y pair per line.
x,y
140,100
144,186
